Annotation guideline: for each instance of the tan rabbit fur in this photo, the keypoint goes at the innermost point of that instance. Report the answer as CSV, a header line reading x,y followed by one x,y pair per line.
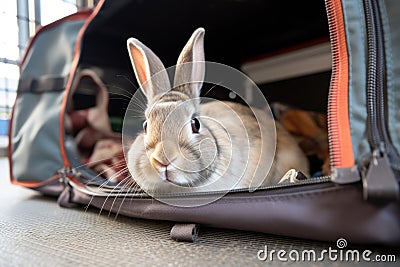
x,y
189,146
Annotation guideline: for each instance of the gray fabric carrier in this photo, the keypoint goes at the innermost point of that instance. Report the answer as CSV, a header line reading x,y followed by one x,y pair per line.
x,y
35,135
326,208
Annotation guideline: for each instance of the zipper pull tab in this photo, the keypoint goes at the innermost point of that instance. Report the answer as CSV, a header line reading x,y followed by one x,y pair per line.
x,y
65,199
380,183
63,175
63,172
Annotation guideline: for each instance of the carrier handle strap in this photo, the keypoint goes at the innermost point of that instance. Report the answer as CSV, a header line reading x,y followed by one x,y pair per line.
x,y
47,83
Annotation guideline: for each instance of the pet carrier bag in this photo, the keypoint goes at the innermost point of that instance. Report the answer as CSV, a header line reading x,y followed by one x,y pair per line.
x,y
74,68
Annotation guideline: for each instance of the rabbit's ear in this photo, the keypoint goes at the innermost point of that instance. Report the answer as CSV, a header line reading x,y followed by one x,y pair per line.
x,y
146,64
190,67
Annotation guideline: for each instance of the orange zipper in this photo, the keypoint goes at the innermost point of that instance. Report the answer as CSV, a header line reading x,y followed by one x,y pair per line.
x,y
340,145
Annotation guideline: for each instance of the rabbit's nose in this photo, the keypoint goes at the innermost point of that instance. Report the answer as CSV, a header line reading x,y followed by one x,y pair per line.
x,y
162,155
160,160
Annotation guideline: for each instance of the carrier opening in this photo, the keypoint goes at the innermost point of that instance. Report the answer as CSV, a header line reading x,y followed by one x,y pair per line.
x,y
283,48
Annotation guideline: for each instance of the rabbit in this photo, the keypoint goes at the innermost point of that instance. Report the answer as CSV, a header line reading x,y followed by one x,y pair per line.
x,y
188,146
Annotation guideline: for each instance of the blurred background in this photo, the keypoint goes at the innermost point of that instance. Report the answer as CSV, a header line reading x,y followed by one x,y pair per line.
x,y
19,20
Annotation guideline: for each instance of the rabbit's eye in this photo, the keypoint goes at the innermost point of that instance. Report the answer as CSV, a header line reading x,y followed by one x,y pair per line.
x,y
195,125
145,126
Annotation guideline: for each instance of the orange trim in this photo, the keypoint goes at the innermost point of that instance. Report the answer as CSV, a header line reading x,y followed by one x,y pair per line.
x,y
340,146
34,184
74,65
83,14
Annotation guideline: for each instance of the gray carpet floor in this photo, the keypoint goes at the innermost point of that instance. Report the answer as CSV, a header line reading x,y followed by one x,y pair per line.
x,y
35,231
